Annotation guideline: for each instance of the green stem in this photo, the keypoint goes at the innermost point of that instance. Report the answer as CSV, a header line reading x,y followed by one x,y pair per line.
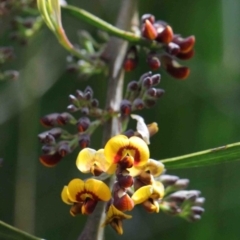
x,y
9,232
226,153
105,26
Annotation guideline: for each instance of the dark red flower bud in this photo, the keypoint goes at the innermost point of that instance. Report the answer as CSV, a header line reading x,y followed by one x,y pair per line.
x,y
72,108
174,68
84,140
63,148
185,56
138,104
133,86
155,92
48,139
65,118
149,17
122,201
83,124
73,100
164,34
147,74
185,44
147,82
48,149
125,107
173,48
148,30
49,120
129,133
88,93
156,78
153,62
94,103
131,59
50,160
79,94
85,111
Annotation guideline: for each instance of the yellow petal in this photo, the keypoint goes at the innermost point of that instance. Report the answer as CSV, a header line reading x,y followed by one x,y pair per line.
x,y
135,171
139,150
158,190
102,162
114,148
76,190
85,159
155,167
65,196
98,188
142,194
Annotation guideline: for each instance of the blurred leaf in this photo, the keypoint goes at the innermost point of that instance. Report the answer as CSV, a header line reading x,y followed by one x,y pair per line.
x,y
227,153
9,232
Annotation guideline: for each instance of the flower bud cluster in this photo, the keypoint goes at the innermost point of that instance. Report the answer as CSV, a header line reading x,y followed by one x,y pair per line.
x,y
177,201
171,48
141,94
58,142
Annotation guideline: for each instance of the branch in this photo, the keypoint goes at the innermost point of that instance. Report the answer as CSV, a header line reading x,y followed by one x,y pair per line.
x,y
114,54
9,232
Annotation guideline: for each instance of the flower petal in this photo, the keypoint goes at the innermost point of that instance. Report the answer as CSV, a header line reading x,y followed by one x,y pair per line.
x,y
114,148
50,160
102,162
76,190
85,159
139,150
142,194
98,189
155,167
142,128
65,196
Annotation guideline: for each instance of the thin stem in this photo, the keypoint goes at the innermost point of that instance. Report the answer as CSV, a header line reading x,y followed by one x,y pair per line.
x,y
117,48
9,232
105,26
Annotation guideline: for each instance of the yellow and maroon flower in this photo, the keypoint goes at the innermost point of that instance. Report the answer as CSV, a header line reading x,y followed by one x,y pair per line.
x,y
90,160
152,166
120,147
84,196
114,218
149,196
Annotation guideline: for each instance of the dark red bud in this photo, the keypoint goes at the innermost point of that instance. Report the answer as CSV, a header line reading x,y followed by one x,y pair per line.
x,y
147,82
148,30
125,107
64,148
185,44
133,86
94,103
173,48
83,124
72,108
149,103
48,149
164,34
153,62
156,78
185,56
149,17
147,74
88,93
73,99
138,104
79,94
49,120
84,140
50,160
85,111
131,59
155,92
64,118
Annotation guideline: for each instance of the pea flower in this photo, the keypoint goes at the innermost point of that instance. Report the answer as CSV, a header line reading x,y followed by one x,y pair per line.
x,y
114,218
90,160
84,196
120,146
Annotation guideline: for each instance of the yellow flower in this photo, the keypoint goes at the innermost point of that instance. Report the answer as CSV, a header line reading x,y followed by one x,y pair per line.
x,y
149,196
114,218
90,160
120,147
85,195
154,167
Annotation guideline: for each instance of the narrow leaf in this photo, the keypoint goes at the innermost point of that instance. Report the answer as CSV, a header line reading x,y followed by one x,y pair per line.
x,y
8,232
227,153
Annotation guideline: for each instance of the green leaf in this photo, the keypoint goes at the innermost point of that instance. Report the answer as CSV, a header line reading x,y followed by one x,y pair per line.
x,y
8,232
227,153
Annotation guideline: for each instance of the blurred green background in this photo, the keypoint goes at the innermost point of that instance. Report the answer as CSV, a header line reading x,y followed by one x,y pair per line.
x,y
197,114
